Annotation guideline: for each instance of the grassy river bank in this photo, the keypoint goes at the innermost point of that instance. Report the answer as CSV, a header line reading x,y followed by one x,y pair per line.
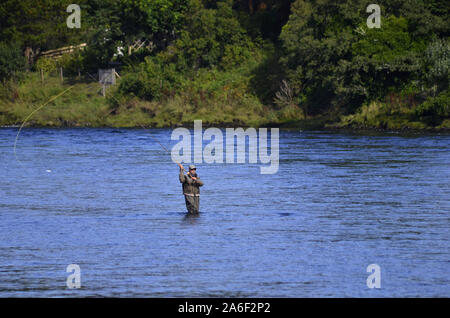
x,y
83,106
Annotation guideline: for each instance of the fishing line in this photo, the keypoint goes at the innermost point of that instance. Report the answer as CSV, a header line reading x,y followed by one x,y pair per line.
x,y
39,108
157,141
32,113
52,99
179,164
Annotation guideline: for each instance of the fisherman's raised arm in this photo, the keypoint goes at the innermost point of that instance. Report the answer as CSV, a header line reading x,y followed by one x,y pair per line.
x,y
182,176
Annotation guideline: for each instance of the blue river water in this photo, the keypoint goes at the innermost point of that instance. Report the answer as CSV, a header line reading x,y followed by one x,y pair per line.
x,y
110,201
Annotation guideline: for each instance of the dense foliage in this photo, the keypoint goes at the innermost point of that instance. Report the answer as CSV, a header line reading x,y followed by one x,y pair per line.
x,y
12,62
299,58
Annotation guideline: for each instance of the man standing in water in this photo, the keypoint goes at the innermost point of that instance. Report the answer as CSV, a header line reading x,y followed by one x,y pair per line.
x,y
191,188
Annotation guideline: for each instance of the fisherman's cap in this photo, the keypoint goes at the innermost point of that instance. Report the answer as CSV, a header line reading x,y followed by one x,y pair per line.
x,y
192,167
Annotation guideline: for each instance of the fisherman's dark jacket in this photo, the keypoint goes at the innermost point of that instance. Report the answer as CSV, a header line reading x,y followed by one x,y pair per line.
x,y
190,187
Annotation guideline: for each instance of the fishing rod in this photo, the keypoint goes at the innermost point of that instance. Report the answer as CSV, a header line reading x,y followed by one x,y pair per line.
x,y
162,146
156,141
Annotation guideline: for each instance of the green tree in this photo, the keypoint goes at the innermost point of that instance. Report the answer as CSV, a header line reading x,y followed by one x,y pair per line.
x,y
333,59
156,20
38,24
212,37
119,23
437,64
12,62
390,56
317,43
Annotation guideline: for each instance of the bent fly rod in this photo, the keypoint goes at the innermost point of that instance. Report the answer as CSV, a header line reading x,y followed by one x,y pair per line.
x,y
162,146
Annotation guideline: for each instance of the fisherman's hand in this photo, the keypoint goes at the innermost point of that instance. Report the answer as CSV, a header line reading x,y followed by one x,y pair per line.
x,y
194,178
181,166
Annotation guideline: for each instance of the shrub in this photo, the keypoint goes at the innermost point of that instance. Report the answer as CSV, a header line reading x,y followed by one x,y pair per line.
x,y
152,80
438,106
47,65
212,37
71,63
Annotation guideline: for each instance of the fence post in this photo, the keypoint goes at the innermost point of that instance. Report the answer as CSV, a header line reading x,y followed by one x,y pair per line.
x,y
61,74
42,75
